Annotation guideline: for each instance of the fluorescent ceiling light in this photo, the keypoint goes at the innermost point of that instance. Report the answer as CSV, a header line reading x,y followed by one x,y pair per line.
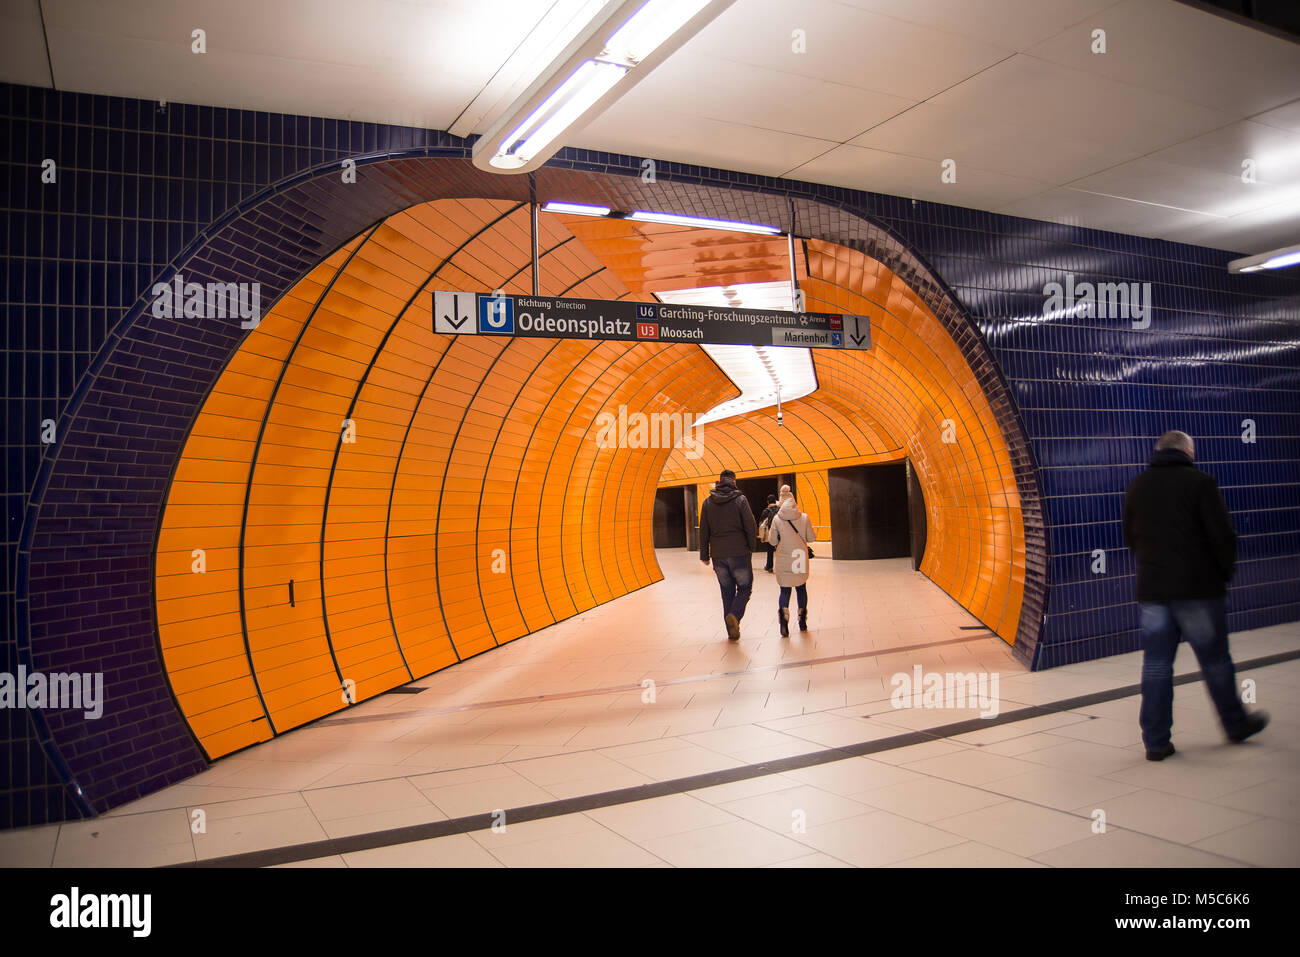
x,y
672,219
580,209
677,220
624,41
1274,259
545,40
592,80
762,373
651,26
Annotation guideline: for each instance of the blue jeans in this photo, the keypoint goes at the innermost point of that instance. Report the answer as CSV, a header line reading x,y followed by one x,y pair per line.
x,y
736,579
1204,623
784,600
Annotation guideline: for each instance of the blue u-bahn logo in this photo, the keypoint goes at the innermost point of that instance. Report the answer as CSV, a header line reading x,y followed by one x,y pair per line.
x,y
496,314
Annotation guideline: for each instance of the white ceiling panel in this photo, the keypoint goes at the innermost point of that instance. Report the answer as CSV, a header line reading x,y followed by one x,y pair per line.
x,y
844,45
1255,232
1002,23
1011,119
412,63
682,137
23,60
1167,47
915,177
1284,117
758,96
1205,174
1096,211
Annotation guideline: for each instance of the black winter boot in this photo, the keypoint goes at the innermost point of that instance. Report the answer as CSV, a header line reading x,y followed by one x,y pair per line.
x,y
783,615
803,619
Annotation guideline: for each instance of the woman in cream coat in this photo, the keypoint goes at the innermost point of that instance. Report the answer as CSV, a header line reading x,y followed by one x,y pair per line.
x,y
791,533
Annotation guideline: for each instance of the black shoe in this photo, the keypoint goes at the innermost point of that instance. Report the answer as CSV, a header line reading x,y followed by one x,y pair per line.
x,y
1255,723
1161,754
783,616
733,627
803,619
767,569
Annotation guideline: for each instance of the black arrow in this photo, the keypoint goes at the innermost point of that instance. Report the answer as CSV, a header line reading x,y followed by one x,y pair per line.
x,y
455,323
858,340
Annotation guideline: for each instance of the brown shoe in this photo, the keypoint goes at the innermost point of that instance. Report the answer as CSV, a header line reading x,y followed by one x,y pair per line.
x,y
733,627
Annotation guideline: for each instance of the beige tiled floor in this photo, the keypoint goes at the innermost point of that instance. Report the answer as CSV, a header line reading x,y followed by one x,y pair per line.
x,y
564,713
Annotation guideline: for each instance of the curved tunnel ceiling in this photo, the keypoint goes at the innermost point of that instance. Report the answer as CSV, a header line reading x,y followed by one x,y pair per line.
x,y
431,497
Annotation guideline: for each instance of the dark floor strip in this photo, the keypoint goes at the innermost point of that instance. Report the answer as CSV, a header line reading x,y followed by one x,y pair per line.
x,y
637,686
590,802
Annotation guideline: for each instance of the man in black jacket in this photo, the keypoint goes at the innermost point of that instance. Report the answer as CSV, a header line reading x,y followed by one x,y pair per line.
x,y
1179,530
727,530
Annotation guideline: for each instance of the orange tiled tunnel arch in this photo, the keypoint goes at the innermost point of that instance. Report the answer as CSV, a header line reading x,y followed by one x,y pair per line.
x,y
430,497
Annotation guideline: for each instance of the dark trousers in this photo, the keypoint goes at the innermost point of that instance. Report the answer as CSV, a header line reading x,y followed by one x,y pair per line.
x,y
800,590
771,550
736,579
1204,624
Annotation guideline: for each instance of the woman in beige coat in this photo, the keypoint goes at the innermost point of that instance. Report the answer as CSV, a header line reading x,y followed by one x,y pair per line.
x,y
791,533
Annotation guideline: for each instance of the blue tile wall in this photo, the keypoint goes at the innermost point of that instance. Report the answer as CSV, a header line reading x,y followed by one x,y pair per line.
x,y
237,195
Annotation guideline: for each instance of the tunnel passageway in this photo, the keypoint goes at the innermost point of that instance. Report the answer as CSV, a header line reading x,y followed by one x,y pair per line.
x,y
363,501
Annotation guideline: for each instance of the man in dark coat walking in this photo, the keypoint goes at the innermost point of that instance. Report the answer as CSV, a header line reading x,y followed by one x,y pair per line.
x,y
1179,530
727,532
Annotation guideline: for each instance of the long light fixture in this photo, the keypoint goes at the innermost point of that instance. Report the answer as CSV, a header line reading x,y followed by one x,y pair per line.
x,y
702,223
672,219
623,42
579,209
544,40
1276,259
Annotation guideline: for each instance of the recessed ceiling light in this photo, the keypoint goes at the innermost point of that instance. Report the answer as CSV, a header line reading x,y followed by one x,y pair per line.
x,y
764,374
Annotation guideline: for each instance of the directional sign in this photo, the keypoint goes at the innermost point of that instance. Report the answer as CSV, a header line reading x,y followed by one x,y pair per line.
x,y
857,332
453,312
559,318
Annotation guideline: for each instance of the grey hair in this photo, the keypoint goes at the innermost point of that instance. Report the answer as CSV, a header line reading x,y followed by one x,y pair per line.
x,y
1174,440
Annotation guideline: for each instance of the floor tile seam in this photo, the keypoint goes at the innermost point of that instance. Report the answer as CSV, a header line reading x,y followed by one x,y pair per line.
x,y
637,844
624,689
982,787
822,756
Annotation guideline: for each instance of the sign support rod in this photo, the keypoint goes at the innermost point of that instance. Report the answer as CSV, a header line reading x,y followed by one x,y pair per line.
x,y
794,283
532,204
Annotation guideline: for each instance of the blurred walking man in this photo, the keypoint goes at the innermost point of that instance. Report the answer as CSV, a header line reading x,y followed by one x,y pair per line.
x,y
1180,533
